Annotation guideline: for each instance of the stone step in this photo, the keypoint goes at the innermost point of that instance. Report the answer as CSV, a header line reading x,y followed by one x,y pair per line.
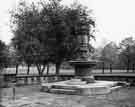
x,y
63,91
75,80
68,87
99,87
95,90
115,87
76,83
46,87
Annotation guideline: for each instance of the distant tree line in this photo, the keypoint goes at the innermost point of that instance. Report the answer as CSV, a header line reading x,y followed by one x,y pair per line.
x,y
121,56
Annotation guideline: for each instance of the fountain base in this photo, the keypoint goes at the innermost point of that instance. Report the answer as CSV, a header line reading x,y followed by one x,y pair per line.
x,y
79,87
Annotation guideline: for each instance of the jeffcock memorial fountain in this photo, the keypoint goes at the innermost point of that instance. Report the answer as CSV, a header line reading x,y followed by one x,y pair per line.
x,y
84,82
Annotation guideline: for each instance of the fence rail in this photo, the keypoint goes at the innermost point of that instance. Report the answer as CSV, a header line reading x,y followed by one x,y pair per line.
x,y
103,69
66,74
35,79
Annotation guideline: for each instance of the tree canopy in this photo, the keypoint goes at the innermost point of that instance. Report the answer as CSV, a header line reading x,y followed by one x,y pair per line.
x,y
49,33
127,54
120,56
109,53
3,55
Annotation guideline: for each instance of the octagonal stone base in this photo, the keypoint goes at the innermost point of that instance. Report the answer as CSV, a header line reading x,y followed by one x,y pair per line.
x,y
76,86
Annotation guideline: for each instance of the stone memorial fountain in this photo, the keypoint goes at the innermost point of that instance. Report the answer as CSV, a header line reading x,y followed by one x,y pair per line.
x,y
84,82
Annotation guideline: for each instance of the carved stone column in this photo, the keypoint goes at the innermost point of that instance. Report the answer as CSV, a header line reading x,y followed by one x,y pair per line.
x,y
83,64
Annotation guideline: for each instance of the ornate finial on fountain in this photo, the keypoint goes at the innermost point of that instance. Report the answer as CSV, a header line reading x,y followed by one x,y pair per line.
x,y
83,52
83,40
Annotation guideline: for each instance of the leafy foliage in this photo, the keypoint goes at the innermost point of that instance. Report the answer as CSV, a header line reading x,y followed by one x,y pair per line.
x,y
49,33
127,55
109,53
121,56
3,55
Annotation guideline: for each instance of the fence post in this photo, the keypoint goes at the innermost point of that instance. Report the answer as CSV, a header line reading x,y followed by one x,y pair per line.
x,y
111,68
13,90
13,93
128,67
133,68
103,65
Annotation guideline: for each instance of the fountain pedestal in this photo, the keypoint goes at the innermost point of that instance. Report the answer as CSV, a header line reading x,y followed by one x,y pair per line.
x,y
83,64
83,70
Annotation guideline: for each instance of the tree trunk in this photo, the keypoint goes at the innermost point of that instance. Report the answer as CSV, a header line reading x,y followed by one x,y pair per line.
x,y
38,68
17,66
47,72
42,69
111,68
28,70
57,68
128,67
103,67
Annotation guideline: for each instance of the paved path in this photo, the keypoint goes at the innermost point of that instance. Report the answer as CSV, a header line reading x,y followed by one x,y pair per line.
x,y
30,96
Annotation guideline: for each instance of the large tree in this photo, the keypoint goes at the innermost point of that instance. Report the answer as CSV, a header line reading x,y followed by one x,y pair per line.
x,y
127,52
109,53
65,24
50,32
4,61
30,36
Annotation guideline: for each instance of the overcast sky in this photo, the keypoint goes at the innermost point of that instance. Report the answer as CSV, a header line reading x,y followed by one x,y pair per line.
x,y
115,19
